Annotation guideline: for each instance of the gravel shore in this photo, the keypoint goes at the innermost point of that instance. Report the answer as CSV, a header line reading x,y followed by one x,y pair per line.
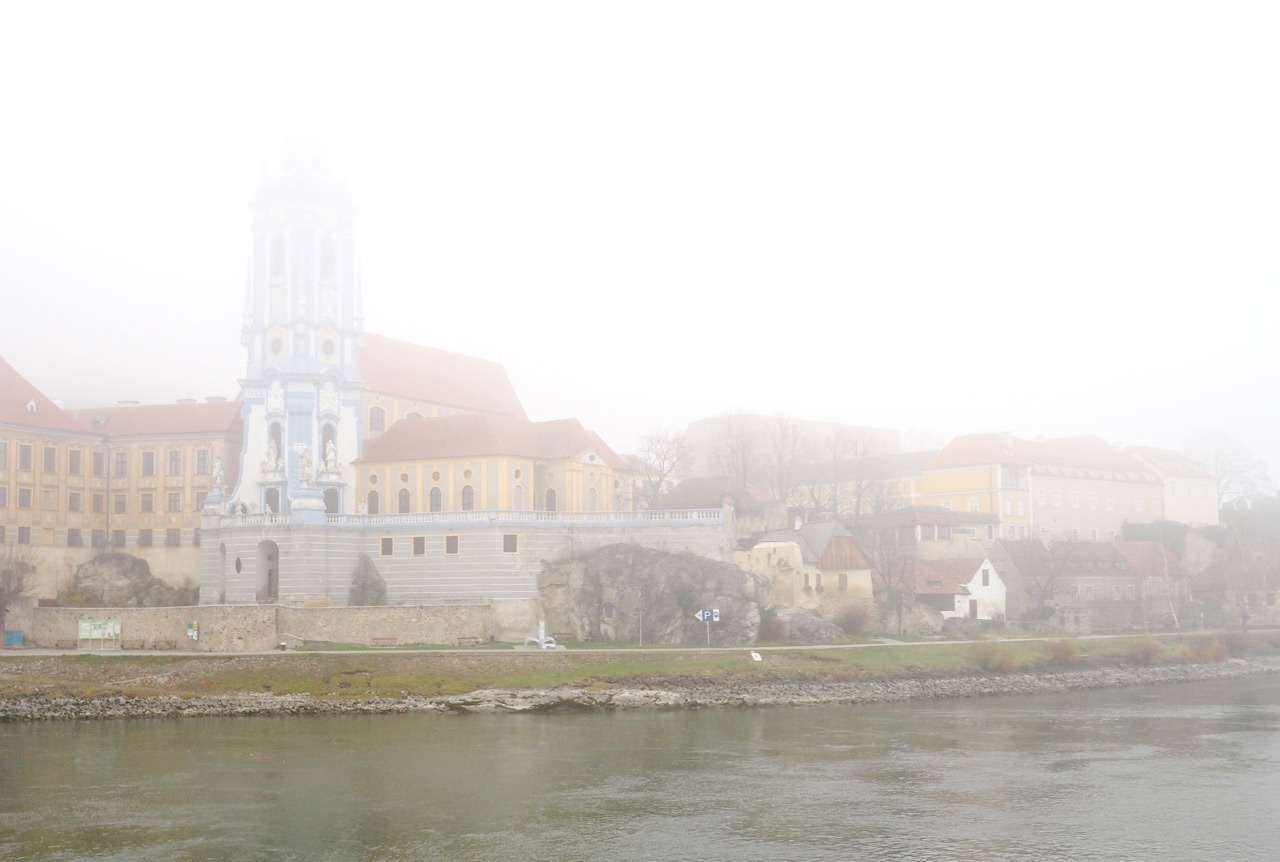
x,y
672,694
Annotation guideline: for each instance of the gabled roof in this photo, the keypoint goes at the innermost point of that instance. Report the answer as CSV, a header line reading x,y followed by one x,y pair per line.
x,y
164,420
945,577
432,376
826,544
477,434
23,404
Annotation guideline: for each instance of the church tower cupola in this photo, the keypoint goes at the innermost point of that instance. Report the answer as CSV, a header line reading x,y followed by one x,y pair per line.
x,y
302,333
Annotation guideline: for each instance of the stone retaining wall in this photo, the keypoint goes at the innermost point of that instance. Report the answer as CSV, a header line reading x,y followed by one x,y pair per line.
x,y
224,628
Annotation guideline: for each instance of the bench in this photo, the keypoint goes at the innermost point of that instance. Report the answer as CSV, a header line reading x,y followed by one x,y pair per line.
x,y
383,642
138,644
470,640
164,644
69,644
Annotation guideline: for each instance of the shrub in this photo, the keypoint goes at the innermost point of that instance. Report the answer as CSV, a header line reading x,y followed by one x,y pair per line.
x,y
853,620
1236,643
1063,653
772,628
1145,652
1203,651
992,656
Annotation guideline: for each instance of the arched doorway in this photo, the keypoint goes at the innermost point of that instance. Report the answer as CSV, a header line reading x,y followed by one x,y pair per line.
x,y
268,572
551,499
403,501
271,500
373,503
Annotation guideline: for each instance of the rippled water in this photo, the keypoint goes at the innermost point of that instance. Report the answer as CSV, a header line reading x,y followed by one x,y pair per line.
x,y
1180,772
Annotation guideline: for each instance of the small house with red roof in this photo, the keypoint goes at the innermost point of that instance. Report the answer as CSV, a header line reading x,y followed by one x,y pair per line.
x,y
967,588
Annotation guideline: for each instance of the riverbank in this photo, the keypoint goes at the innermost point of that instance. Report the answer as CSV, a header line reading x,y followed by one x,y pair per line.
x,y
677,692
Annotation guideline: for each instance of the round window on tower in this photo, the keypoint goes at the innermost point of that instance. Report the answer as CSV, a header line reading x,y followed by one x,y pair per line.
x,y
373,480
404,477
435,477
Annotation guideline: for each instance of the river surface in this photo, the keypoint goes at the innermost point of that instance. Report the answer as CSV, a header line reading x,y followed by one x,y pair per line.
x,y
1177,772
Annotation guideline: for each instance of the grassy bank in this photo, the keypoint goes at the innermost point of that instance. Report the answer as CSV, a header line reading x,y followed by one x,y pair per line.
x,y
435,673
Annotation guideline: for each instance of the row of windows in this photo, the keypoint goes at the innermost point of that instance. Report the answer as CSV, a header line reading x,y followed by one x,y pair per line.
x,y
510,544
1055,499
842,580
147,461
98,538
119,502
1119,592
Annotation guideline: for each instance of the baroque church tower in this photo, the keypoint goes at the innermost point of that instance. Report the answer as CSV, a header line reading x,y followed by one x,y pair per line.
x,y
303,332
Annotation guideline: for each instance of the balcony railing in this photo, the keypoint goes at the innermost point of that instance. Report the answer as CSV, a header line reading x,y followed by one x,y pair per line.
x,y
513,516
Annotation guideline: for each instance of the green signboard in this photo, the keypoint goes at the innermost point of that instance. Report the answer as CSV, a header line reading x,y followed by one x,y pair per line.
x,y
99,630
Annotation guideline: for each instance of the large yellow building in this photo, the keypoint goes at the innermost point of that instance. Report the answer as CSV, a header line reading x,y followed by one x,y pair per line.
x,y
1079,488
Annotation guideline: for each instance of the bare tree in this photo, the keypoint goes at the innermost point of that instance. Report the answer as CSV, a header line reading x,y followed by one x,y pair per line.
x,y
1241,475
18,565
784,450
737,452
662,454
893,558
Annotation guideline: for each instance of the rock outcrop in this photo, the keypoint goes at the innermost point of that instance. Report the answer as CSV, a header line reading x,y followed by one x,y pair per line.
x,y
119,580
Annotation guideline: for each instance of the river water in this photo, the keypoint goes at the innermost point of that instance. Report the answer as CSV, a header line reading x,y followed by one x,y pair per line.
x,y
1178,772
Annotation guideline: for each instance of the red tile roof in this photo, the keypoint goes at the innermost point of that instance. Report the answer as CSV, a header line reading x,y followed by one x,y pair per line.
x,y
945,577
432,376
23,404
1083,457
1167,462
163,420
467,434
975,449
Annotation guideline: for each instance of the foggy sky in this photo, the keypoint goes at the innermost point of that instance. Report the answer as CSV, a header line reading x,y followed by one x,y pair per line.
x,y
937,218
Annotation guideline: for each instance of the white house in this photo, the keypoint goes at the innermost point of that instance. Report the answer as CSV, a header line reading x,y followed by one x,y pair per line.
x,y
964,589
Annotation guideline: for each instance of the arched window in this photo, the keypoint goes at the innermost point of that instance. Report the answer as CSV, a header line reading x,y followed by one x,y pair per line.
x,y
468,498
377,419
404,501
435,499
373,502
551,499
591,499
518,500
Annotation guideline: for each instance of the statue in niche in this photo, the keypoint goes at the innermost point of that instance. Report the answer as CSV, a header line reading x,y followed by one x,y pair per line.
x,y
307,475
271,463
219,475
363,508
330,457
